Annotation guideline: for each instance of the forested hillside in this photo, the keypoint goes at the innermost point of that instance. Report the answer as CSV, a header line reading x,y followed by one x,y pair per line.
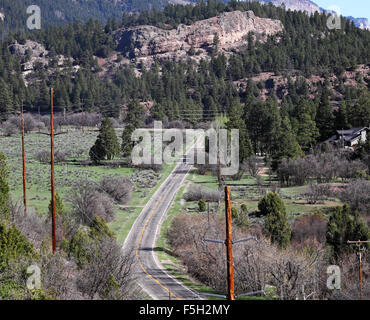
x,y
58,12
285,80
197,92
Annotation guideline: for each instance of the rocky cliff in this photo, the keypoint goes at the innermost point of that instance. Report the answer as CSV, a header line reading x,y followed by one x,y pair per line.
x,y
231,28
298,5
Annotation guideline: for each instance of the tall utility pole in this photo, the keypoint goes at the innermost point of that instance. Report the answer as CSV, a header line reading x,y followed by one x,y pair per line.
x,y
52,171
359,243
229,248
229,245
24,163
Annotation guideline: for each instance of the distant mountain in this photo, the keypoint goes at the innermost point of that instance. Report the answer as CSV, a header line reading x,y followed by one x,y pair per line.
x,y
362,23
311,7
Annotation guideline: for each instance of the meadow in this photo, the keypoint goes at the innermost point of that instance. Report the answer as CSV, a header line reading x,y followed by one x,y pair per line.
x,y
75,145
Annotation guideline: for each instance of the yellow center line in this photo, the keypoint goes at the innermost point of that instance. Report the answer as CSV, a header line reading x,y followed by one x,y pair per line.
x,y
138,247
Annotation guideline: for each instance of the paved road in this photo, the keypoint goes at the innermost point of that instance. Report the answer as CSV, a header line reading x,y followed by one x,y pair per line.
x,y
144,234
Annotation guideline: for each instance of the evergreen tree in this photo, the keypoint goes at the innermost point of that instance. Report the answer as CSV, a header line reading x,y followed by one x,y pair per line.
x,y
106,144
342,226
285,145
201,206
305,127
276,222
271,203
325,117
5,99
134,120
236,122
158,112
341,118
59,206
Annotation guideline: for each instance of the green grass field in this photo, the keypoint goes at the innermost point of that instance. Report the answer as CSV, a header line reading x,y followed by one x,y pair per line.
x,y
75,144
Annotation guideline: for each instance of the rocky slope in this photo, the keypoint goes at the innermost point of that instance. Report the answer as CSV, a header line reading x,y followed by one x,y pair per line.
x,y
298,5
33,56
232,28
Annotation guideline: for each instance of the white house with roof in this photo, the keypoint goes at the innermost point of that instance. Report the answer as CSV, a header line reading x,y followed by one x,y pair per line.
x,y
350,137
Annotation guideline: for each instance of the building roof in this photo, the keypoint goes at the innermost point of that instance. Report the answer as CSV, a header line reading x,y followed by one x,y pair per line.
x,y
347,135
351,131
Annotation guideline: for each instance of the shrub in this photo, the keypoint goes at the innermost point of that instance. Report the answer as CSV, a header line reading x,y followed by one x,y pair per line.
x,y
234,213
357,195
13,245
118,187
309,228
87,203
201,205
9,129
109,273
43,156
199,193
316,193
271,203
29,122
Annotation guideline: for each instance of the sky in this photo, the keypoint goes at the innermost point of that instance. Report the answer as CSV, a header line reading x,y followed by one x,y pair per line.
x,y
355,8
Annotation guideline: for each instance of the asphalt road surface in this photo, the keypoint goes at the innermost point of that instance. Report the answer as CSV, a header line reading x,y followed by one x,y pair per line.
x,y
143,237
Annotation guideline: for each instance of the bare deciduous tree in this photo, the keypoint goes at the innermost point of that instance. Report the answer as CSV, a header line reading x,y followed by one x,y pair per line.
x,y
357,195
87,203
109,273
118,187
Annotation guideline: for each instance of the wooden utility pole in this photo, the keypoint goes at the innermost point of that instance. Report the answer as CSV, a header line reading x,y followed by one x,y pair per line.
x,y
229,248
359,243
229,245
52,172
24,163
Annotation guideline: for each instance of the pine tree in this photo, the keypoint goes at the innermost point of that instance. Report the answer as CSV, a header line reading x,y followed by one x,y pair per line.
x,y
341,118
307,132
106,144
276,222
235,114
5,99
285,145
157,112
271,203
342,226
59,206
134,120
279,229
325,117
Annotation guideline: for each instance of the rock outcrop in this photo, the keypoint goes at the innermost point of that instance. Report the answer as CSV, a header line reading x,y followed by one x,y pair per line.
x,y
231,28
297,5
33,56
